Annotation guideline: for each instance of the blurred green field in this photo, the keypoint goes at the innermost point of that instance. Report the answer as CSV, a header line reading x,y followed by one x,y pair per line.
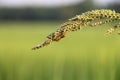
x,y
82,55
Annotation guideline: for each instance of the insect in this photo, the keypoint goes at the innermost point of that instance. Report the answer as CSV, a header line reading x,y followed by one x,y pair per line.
x,y
91,18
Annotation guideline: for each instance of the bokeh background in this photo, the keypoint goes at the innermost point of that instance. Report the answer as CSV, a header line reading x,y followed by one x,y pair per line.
x,y
82,55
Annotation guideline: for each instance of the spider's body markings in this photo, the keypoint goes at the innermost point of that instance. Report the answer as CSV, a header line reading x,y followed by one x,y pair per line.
x,y
90,18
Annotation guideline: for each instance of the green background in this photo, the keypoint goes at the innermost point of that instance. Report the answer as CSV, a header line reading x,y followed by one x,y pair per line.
x,y
83,55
